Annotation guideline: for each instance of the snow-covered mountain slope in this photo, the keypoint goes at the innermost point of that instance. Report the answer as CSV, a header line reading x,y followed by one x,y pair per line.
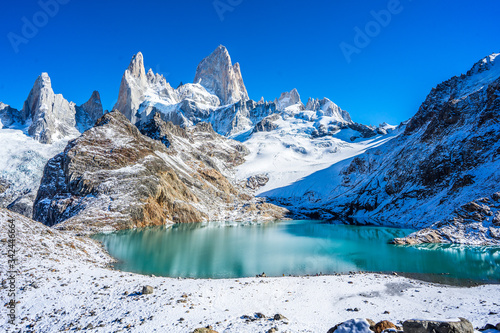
x,y
286,148
447,155
33,135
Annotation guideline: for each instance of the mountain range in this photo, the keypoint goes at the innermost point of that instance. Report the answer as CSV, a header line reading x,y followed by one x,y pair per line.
x,y
205,151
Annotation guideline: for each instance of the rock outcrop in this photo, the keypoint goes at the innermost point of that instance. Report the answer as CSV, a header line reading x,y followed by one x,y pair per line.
x,y
218,75
267,124
288,99
137,85
114,177
52,117
325,107
8,116
428,326
477,222
88,113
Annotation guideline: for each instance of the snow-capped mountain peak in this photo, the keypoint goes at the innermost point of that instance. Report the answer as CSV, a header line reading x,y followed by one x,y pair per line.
x,y
484,64
289,99
136,66
218,75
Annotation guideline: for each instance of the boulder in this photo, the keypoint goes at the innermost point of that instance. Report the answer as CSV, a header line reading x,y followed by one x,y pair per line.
x,y
383,325
207,329
428,326
146,290
352,326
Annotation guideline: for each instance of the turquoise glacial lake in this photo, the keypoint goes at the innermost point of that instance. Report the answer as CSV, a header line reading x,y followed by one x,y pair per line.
x,y
233,250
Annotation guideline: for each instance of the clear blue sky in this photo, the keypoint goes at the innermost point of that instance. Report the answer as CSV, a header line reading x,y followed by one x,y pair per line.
x,y
280,45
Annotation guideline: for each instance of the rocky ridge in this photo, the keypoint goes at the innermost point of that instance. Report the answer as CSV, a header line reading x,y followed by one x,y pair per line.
x,y
113,177
218,96
443,158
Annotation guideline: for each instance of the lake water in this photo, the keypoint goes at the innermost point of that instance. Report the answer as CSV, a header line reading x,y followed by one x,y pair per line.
x,y
225,250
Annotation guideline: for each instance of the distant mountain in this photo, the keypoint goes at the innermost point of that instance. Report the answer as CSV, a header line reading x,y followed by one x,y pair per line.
x,y
446,156
218,96
31,136
217,74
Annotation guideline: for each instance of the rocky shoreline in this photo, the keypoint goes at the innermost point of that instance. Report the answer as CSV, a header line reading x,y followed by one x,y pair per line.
x,y
64,283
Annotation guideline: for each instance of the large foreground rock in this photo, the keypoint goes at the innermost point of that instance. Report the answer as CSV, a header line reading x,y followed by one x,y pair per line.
x,y
427,326
476,223
114,177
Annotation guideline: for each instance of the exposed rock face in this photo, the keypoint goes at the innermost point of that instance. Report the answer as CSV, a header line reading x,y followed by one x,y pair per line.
x,y
115,177
53,117
266,124
477,222
426,326
288,99
217,74
257,181
136,85
325,107
8,116
88,113
446,156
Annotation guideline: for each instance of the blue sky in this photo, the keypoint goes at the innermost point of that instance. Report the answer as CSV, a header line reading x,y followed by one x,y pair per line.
x,y
280,45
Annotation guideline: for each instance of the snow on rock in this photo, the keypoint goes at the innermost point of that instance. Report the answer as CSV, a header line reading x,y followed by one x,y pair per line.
x,y
476,223
288,148
354,326
52,117
217,74
114,177
30,137
444,157
288,99
8,116
88,113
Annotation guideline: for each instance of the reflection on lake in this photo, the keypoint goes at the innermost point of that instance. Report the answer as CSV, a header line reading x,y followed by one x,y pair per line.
x,y
225,250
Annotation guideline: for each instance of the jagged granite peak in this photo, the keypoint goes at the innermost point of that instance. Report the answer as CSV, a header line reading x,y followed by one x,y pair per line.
x,y
484,64
113,177
137,86
217,74
88,113
52,117
325,107
288,99
136,66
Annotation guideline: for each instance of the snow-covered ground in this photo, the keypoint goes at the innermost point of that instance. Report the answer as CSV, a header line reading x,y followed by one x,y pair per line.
x,y
63,283
22,160
289,153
